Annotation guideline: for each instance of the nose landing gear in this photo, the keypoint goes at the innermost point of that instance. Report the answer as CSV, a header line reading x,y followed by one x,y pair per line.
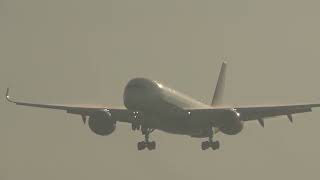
x,y
136,120
138,124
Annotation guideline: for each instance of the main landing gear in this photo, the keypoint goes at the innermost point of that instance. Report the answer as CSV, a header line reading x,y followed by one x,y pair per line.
x,y
151,145
214,145
207,144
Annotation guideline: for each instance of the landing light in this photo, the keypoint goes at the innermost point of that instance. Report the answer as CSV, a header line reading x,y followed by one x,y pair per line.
x,y
237,113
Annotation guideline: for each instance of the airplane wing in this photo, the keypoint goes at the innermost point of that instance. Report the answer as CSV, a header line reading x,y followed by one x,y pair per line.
x,y
249,113
121,114
261,112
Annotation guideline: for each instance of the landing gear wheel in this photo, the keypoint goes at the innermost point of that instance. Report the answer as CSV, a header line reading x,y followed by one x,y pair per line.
x,y
154,145
205,145
215,145
141,145
151,145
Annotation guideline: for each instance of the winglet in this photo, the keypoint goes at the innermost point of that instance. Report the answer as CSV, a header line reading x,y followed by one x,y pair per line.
x,y
8,97
218,94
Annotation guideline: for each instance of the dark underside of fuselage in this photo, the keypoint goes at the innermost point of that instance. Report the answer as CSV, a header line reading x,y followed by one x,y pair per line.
x,y
177,123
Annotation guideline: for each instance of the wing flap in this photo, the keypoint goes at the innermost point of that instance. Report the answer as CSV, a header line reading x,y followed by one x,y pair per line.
x,y
258,113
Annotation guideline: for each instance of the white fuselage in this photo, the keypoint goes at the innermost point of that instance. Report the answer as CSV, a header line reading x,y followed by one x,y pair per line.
x,y
163,108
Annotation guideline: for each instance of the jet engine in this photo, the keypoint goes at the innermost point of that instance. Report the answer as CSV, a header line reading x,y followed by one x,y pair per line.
x,y
101,123
231,123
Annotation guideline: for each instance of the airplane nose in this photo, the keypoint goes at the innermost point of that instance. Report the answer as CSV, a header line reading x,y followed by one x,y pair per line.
x,y
138,93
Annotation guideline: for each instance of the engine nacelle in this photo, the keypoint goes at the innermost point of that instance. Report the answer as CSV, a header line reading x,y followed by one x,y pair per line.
x,y
230,123
101,123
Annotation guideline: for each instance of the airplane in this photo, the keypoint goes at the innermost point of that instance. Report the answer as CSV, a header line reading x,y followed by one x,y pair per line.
x,y
150,105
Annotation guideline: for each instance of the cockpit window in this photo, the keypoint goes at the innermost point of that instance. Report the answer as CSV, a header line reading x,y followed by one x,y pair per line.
x,y
141,83
136,85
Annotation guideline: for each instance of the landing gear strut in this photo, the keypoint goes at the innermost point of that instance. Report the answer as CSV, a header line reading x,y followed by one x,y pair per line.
x,y
210,143
151,145
135,126
136,121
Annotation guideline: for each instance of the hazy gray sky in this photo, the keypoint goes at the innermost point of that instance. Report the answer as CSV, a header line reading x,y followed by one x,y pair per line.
x,y
66,51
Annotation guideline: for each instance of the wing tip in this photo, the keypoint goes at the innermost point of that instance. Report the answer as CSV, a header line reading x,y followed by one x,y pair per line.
x,y
7,96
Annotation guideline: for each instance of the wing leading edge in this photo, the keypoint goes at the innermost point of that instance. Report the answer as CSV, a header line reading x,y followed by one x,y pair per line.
x,y
121,114
247,113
